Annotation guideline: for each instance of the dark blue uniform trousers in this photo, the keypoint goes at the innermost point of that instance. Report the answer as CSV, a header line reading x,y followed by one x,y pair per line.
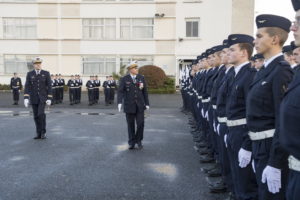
x,y
244,181
293,188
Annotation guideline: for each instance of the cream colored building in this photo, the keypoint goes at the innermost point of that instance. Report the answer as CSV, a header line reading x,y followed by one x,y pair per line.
x,y
98,36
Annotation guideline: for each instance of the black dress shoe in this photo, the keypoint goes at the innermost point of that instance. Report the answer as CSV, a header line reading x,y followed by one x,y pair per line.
x,y
140,145
218,188
37,137
214,172
43,136
131,147
207,159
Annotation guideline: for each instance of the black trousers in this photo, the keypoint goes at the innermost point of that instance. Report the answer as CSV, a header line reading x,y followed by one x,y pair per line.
x,y
293,191
39,117
112,95
72,95
244,180
16,95
96,94
107,95
261,153
135,134
61,94
79,95
91,96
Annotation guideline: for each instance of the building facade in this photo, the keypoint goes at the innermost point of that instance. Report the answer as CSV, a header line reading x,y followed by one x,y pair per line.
x,y
99,36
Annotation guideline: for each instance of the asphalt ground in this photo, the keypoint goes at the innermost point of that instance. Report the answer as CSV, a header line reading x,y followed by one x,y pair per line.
x,y
86,158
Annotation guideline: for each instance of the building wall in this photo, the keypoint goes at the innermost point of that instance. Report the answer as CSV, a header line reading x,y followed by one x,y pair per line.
x,y
59,31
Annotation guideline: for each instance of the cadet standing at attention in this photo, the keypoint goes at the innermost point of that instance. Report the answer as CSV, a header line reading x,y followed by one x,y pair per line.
x,y
38,93
133,93
289,133
263,102
16,86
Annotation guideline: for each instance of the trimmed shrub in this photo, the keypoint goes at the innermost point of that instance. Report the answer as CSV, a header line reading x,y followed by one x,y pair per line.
x,y
154,76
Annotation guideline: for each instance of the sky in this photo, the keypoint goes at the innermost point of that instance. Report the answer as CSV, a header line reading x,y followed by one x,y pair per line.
x,y
277,7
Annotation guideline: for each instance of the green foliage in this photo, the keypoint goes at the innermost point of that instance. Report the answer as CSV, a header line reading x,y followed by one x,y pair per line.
x,y
121,73
4,87
167,88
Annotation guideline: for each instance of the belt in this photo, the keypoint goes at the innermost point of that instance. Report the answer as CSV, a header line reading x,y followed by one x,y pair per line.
x,y
261,135
214,107
73,87
294,163
206,100
15,86
90,88
238,122
222,119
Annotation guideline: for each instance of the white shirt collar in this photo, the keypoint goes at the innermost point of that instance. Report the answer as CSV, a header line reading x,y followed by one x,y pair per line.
x,y
227,70
294,65
239,67
267,62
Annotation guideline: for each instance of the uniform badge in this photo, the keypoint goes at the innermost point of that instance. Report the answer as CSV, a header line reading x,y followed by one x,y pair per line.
x,y
264,82
18,83
233,39
43,75
262,21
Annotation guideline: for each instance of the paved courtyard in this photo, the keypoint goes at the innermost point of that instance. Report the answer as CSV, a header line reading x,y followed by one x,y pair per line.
x,y
86,156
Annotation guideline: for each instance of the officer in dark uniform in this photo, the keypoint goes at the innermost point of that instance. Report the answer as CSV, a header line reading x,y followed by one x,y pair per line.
x,y
113,85
79,88
72,90
289,136
54,88
106,87
61,84
263,103
288,55
16,86
90,87
258,61
38,92
133,93
296,57
238,141
96,89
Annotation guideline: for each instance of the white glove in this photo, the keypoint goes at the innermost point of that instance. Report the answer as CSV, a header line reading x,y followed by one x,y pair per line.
x,y
147,107
272,176
225,140
253,166
198,105
202,113
218,129
26,103
206,116
119,107
48,102
244,158
214,125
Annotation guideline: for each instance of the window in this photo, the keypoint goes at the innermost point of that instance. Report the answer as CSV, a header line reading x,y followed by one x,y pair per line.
x,y
18,63
192,27
99,65
142,60
136,28
19,28
99,28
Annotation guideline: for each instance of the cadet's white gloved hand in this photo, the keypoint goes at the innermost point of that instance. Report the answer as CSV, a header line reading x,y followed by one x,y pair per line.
x,y
147,107
198,105
206,116
215,127
202,113
244,158
48,102
26,103
225,140
218,129
253,166
272,176
119,107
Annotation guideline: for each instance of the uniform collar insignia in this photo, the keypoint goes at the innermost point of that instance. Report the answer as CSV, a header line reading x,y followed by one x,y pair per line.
x,y
233,39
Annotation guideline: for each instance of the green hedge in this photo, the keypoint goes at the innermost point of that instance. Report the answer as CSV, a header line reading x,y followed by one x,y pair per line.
x,y
167,88
4,87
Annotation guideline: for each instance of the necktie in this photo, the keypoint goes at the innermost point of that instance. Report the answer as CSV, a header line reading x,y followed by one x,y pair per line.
x,y
134,80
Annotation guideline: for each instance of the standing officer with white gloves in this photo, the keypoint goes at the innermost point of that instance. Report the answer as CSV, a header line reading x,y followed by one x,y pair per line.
x,y
133,91
38,91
